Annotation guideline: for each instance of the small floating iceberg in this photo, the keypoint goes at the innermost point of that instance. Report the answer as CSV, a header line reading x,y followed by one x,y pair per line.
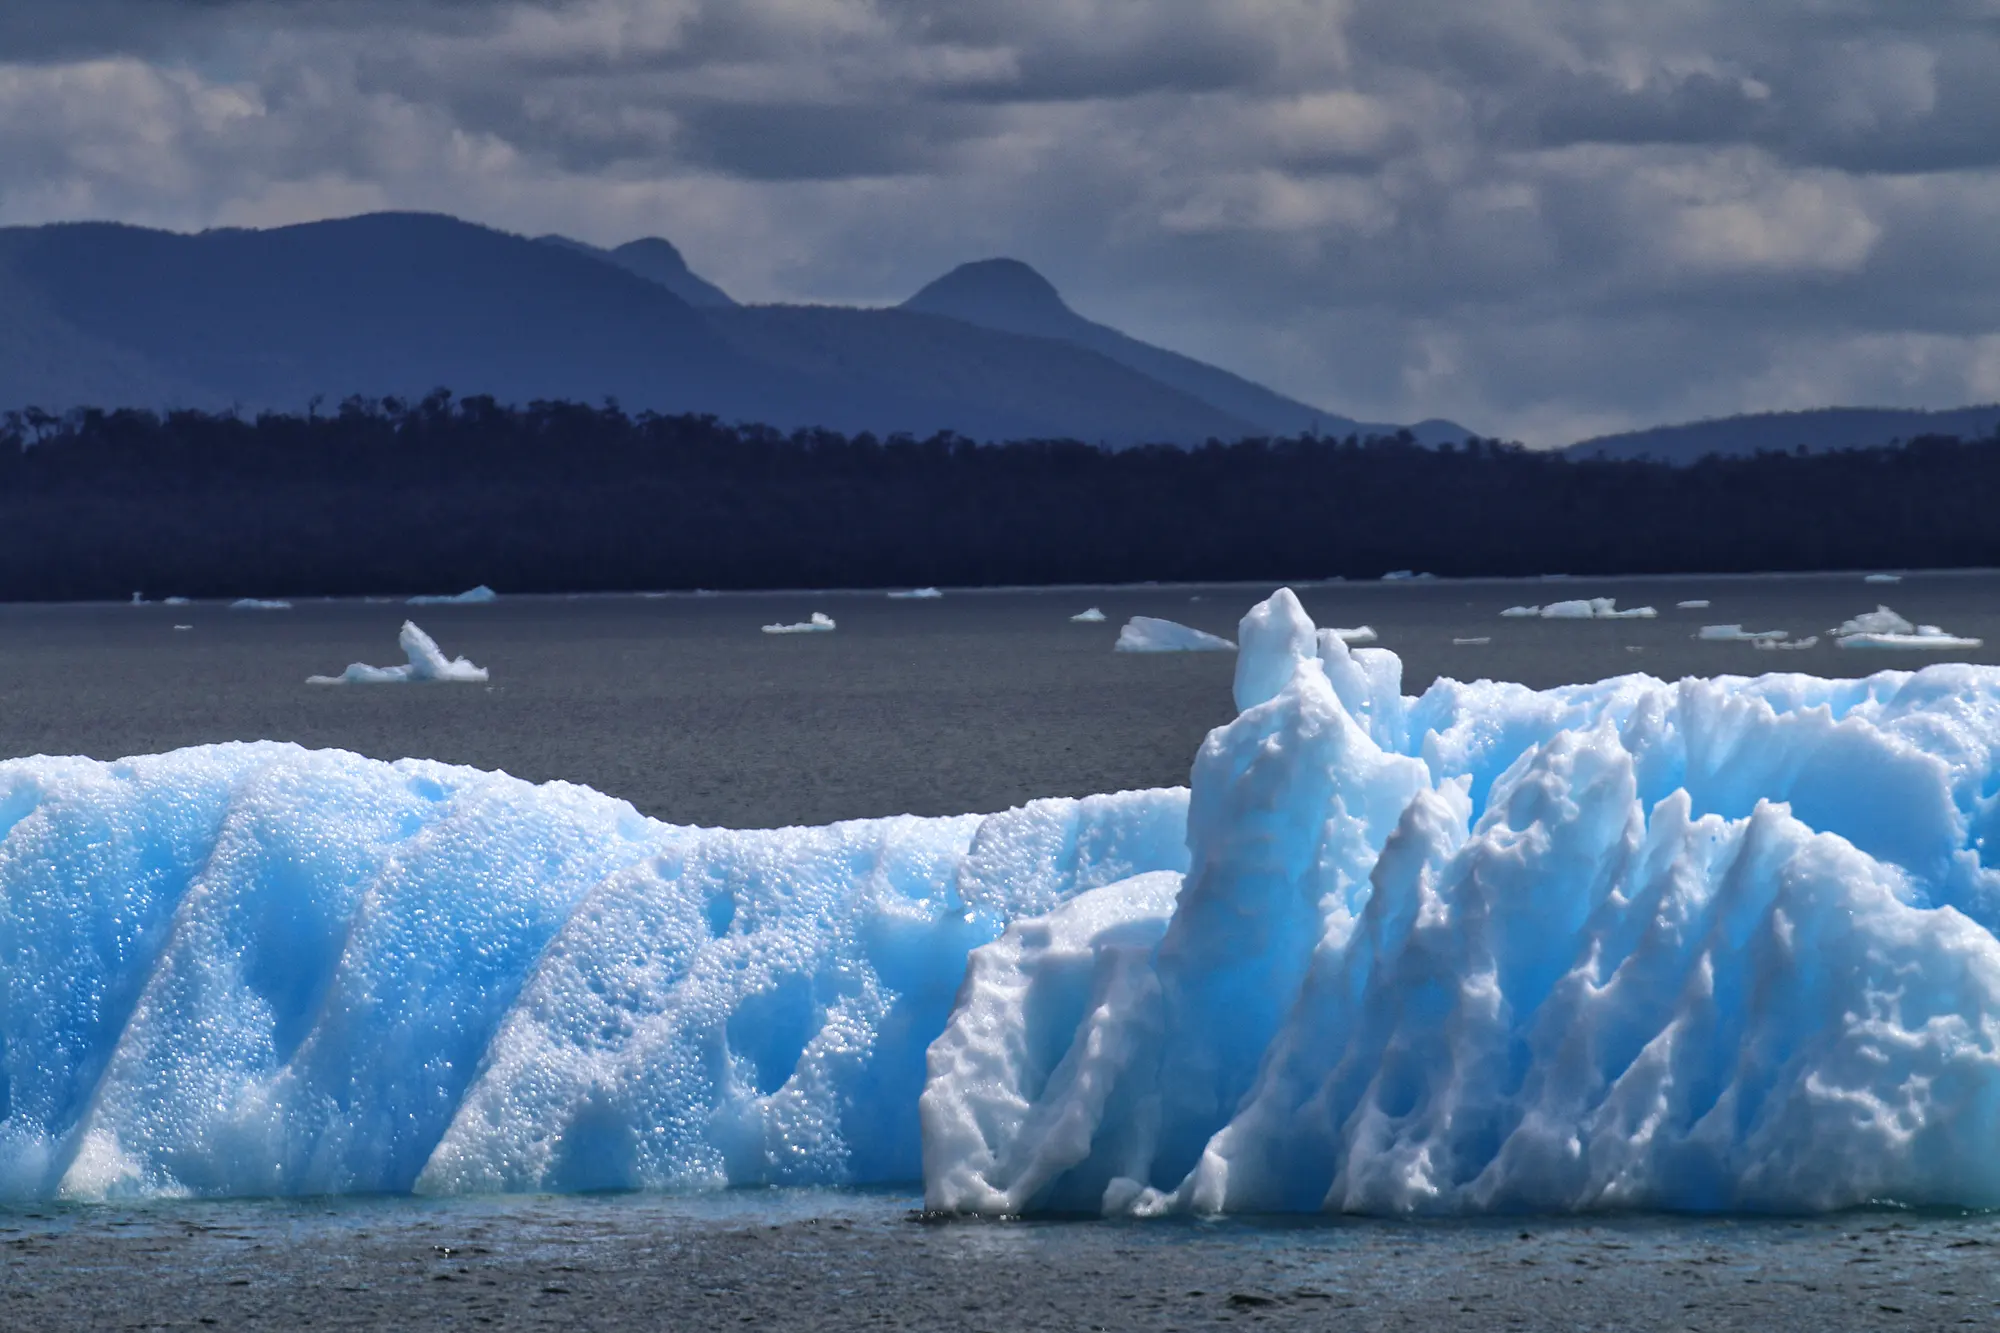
x,y
470,597
1091,617
1787,645
1581,608
1473,642
916,595
259,604
1358,634
1146,634
821,623
1737,634
1883,628
1883,578
1407,576
427,662
1696,604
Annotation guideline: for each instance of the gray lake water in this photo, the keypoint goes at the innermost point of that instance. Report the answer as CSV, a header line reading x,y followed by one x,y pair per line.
x,y
974,702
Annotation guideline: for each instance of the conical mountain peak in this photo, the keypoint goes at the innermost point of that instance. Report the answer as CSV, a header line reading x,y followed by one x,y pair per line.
x,y
997,294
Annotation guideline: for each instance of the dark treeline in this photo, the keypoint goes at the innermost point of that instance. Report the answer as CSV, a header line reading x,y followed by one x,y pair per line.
x,y
394,497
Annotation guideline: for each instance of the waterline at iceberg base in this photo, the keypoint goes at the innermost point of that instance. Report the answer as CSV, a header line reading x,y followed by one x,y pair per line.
x,y
1713,945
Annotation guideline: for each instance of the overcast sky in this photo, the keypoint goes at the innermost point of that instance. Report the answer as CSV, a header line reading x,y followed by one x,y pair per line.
x,y
1542,218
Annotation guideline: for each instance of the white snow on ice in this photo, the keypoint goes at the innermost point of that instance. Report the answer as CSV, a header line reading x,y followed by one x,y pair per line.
x,y
1147,634
821,623
427,662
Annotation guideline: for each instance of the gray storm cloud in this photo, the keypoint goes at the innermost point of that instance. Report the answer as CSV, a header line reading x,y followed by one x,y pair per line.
x,y
1540,217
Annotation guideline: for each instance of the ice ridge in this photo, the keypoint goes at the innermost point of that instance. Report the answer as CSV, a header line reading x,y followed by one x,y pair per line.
x,y
1710,945
256,969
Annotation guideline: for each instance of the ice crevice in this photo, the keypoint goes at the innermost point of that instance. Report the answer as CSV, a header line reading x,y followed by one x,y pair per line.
x,y
1720,944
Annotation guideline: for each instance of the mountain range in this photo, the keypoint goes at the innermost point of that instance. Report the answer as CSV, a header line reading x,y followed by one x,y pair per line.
x,y
106,315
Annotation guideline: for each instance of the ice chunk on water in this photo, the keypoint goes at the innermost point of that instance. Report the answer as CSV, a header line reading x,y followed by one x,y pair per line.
x,y
1693,604
470,597
1709,944
821,623
255,969
1092,616
1147,634
1883,628
1781,644
916,595
1357,635
1737,634
259,604
1879,621
1928,638
427,662
1582,608
1704,945
1474,641
1883,578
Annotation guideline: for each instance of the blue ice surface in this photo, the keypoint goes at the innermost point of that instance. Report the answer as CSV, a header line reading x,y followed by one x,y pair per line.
x,y
1712,945
255,969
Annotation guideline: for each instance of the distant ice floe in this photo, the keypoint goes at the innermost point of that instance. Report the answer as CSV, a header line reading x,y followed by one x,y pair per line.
x,y
1696,604
1359,634
1406,576
184,627
916,595
1883,578
821,623
1473,642
1581,608
259,604
1786,645
470,597
426,663
1737,634
1883,628
1147,634
1091,617
176,601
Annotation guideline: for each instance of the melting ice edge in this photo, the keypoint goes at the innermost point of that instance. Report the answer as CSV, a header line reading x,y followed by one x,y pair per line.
x,y
1715,945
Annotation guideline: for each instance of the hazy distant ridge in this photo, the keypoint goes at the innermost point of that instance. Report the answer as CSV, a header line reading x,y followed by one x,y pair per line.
x,y
1817,430
105,315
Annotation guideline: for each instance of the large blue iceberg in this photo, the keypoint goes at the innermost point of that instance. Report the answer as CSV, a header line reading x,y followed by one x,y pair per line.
x,y
1718,944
